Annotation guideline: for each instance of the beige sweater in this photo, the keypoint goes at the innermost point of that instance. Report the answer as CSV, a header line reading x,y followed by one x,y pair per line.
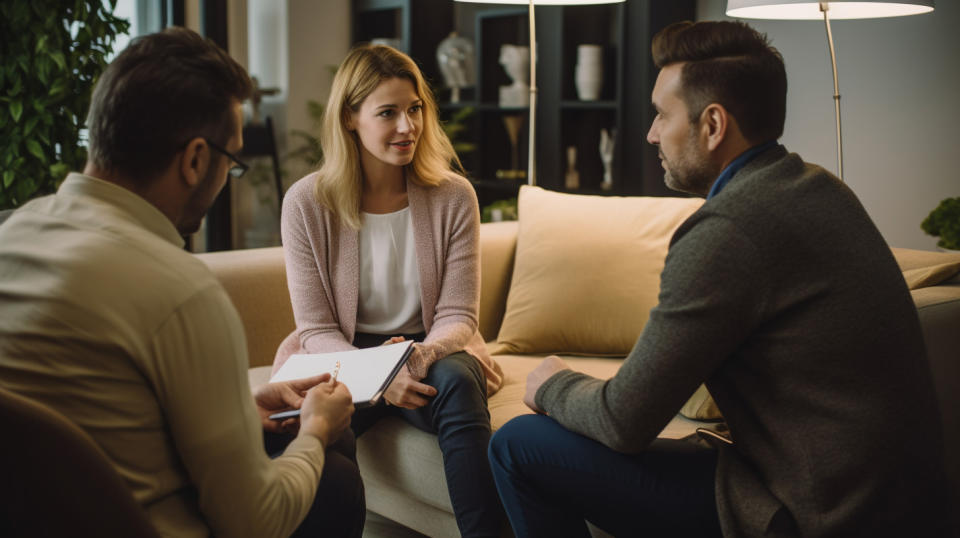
x,y
322,261
105,318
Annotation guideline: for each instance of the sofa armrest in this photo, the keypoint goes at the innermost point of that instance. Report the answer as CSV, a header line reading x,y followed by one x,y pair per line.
x,y
256,281
939,311
498,243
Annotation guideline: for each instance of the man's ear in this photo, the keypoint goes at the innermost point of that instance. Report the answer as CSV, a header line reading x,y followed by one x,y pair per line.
x,y
194,161
714,123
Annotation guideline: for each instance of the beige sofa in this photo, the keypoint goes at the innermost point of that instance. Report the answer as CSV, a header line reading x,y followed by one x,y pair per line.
x,y
402,467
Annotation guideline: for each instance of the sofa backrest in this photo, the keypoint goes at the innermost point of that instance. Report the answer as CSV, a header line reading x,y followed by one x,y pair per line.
x,y
498,244
256,281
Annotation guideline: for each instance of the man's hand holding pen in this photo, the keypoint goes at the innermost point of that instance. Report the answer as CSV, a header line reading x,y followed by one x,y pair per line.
x,y
325,406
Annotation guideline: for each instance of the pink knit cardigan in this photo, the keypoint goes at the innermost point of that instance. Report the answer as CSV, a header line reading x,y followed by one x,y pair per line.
x,y
322,262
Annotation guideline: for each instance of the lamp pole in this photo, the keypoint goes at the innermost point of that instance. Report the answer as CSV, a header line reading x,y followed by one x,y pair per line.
x,y
825,8
531,148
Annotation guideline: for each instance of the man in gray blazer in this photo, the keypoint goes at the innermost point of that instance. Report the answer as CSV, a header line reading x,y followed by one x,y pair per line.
x,y
779,294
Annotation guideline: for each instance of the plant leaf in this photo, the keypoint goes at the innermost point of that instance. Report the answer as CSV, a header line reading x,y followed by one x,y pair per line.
x,y
16,109
8,178
34,147
58,58
30,125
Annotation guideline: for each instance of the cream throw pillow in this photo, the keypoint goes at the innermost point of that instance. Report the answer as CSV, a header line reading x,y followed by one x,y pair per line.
x,y
922,269
587,271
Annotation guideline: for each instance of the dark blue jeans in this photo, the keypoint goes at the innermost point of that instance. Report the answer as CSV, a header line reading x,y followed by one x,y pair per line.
x,y
339,506
551,480
458,416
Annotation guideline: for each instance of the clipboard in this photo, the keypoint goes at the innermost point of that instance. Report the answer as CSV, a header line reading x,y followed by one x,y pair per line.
x,y
366,372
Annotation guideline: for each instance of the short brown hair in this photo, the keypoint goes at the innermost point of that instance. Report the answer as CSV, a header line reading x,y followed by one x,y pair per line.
x,y
731,64
161,91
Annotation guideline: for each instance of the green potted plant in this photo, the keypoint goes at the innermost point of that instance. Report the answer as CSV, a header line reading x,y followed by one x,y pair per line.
x,y
51,52
944,222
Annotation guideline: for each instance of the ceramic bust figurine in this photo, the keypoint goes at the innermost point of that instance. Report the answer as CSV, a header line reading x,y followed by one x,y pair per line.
x,y
455,57
516,62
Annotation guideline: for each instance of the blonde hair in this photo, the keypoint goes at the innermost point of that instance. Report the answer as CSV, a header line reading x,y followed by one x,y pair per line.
x,y
339,184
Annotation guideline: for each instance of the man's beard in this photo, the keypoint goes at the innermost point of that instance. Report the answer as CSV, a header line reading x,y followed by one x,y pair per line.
x,y
199,203
692,172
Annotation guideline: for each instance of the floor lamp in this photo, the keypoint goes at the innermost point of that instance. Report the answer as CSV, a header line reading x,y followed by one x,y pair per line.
x,y
836,9
531,164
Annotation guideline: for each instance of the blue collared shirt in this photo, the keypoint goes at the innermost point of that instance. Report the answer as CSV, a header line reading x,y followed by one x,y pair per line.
x,y
736,165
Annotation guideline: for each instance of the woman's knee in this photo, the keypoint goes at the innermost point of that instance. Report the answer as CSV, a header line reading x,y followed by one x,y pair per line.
x,y
457,372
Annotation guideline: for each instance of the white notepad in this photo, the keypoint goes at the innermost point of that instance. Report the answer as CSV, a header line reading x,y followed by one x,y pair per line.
x,y
366,372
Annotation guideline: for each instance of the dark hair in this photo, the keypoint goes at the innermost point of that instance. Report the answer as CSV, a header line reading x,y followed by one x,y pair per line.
x,y
160,92
731,64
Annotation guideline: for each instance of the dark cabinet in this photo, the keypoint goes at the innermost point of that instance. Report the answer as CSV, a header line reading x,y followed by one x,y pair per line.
x,y
623,31
418,26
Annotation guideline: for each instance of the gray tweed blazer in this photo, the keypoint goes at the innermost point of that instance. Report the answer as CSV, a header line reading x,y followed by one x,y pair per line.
x,y
781,295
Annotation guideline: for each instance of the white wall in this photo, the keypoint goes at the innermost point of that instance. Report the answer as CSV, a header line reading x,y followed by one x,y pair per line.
x,y
318,37
900,88
286,44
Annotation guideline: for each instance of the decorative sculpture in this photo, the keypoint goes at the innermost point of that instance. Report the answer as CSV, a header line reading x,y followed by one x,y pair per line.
x,y
455,57
571,180
516,62
607,141
513,123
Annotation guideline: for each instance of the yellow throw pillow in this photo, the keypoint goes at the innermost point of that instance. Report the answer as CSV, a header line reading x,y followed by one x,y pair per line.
x,y
922,268
587,271
701,406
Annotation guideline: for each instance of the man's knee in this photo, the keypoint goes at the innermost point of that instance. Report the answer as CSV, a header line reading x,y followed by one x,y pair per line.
x,y
519,432
339,507
341,484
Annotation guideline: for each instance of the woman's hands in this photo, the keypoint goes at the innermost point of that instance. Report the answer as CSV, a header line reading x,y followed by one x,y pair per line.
x,y
420,360
406,390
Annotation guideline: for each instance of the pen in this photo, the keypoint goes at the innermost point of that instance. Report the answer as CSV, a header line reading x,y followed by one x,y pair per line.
x,y
336,372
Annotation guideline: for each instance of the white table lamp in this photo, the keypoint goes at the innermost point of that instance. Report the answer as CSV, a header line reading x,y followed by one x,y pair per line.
x,y
531,167
835,9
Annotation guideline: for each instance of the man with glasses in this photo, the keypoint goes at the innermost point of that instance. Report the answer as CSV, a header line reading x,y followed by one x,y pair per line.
x,y
105,318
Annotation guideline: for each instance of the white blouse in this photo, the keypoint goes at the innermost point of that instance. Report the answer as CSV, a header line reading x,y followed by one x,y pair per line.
x,y
389,276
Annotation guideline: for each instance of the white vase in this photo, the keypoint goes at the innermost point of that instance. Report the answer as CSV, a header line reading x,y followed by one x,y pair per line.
x,y
588,74
589,81
587,54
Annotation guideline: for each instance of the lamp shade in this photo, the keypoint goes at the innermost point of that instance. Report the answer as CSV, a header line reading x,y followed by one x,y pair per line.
x,y
839,9
546,2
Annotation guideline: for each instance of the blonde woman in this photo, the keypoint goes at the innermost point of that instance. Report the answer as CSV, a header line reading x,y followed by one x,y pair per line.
x,y
382,244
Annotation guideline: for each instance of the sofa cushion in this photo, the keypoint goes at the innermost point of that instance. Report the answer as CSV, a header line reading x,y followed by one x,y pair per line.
x,y
587,271
923,268
256,281
395,456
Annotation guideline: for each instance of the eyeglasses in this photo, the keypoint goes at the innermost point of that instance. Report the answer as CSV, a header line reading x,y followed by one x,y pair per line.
x,y
239,167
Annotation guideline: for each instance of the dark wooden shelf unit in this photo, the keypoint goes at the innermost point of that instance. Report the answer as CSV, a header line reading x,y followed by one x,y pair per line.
x,y
623,30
